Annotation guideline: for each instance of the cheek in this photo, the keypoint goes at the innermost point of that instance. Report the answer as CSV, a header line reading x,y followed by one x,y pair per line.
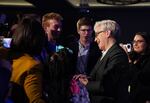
x,y
139,48
97,41
52,27
143,47
48,28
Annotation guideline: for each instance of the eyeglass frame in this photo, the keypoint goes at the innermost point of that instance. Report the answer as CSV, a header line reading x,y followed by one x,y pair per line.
x,y
97,33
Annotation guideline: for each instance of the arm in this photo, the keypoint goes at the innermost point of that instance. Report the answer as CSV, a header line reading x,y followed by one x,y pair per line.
x,y
33,85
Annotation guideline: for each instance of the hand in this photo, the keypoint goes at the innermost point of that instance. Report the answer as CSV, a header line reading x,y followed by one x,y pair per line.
x,y
76,77
83,80
124,47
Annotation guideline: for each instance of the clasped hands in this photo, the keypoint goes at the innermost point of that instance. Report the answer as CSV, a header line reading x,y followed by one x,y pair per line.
x,y
82,78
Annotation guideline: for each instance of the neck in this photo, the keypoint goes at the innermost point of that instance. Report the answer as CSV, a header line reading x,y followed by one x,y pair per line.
x,y
110,43
51,39
84,42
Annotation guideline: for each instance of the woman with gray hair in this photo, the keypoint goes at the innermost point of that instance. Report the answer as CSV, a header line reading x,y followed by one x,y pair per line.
x,y
107,82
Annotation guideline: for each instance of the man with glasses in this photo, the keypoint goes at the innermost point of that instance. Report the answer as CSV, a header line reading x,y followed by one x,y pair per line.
x,y
85,50
108,82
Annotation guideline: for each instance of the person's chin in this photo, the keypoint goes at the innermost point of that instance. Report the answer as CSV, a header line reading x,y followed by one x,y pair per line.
x,y
100,48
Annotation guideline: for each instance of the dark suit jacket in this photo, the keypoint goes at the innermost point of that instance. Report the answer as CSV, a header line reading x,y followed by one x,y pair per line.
x,y
94,54
108,82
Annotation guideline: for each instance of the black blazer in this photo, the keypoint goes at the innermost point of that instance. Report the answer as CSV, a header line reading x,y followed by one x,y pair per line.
x,y
94,54
108,82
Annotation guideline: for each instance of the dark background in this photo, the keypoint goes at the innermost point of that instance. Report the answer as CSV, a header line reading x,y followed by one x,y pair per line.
x,y
130,19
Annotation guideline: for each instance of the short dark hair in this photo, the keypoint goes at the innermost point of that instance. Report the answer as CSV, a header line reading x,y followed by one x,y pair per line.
x,y
84,21
29,37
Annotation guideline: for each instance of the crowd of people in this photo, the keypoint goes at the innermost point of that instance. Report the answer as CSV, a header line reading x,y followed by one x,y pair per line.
x,y
38,68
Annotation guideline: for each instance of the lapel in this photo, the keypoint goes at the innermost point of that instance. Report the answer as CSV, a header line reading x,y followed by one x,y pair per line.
x,y
108,54
102,63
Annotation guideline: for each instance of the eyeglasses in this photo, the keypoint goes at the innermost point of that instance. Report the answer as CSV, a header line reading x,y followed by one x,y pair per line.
x,y
96,33
138,41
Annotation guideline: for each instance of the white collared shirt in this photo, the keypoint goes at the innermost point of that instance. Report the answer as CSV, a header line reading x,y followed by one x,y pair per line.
x,y
103,54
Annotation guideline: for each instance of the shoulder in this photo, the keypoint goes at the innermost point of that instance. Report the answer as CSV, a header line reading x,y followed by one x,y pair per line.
x,y
116,49
25,63
28,60
118,54
23,66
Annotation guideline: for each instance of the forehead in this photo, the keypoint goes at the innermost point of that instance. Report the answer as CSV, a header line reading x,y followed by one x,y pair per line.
x,y
54,21
85,27
138,37
98,28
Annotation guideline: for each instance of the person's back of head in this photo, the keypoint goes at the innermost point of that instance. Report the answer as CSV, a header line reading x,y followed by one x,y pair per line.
x,y
29,37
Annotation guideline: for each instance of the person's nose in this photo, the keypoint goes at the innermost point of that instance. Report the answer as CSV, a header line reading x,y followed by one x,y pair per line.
x,y
135,44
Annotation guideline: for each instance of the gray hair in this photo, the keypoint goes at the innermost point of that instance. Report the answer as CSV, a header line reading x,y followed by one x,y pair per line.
x,y
111,25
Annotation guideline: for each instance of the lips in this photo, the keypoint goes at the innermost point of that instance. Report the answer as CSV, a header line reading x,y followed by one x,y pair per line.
x,y
135,47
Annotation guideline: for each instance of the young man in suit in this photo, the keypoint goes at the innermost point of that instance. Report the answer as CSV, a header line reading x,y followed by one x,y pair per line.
x,y
108,82
57,72
85,50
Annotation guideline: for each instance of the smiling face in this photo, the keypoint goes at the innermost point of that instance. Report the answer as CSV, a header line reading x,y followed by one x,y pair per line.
x,y
52,24
100,37
139,44
54,28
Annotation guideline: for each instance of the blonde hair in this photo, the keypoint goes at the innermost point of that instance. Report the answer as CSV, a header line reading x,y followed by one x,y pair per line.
x,y
49,16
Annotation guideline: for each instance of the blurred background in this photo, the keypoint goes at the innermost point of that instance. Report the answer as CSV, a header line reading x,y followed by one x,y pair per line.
x,y
132,15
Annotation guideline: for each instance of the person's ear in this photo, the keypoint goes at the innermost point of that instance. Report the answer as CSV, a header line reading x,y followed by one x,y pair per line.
x,y
78,31
108,33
